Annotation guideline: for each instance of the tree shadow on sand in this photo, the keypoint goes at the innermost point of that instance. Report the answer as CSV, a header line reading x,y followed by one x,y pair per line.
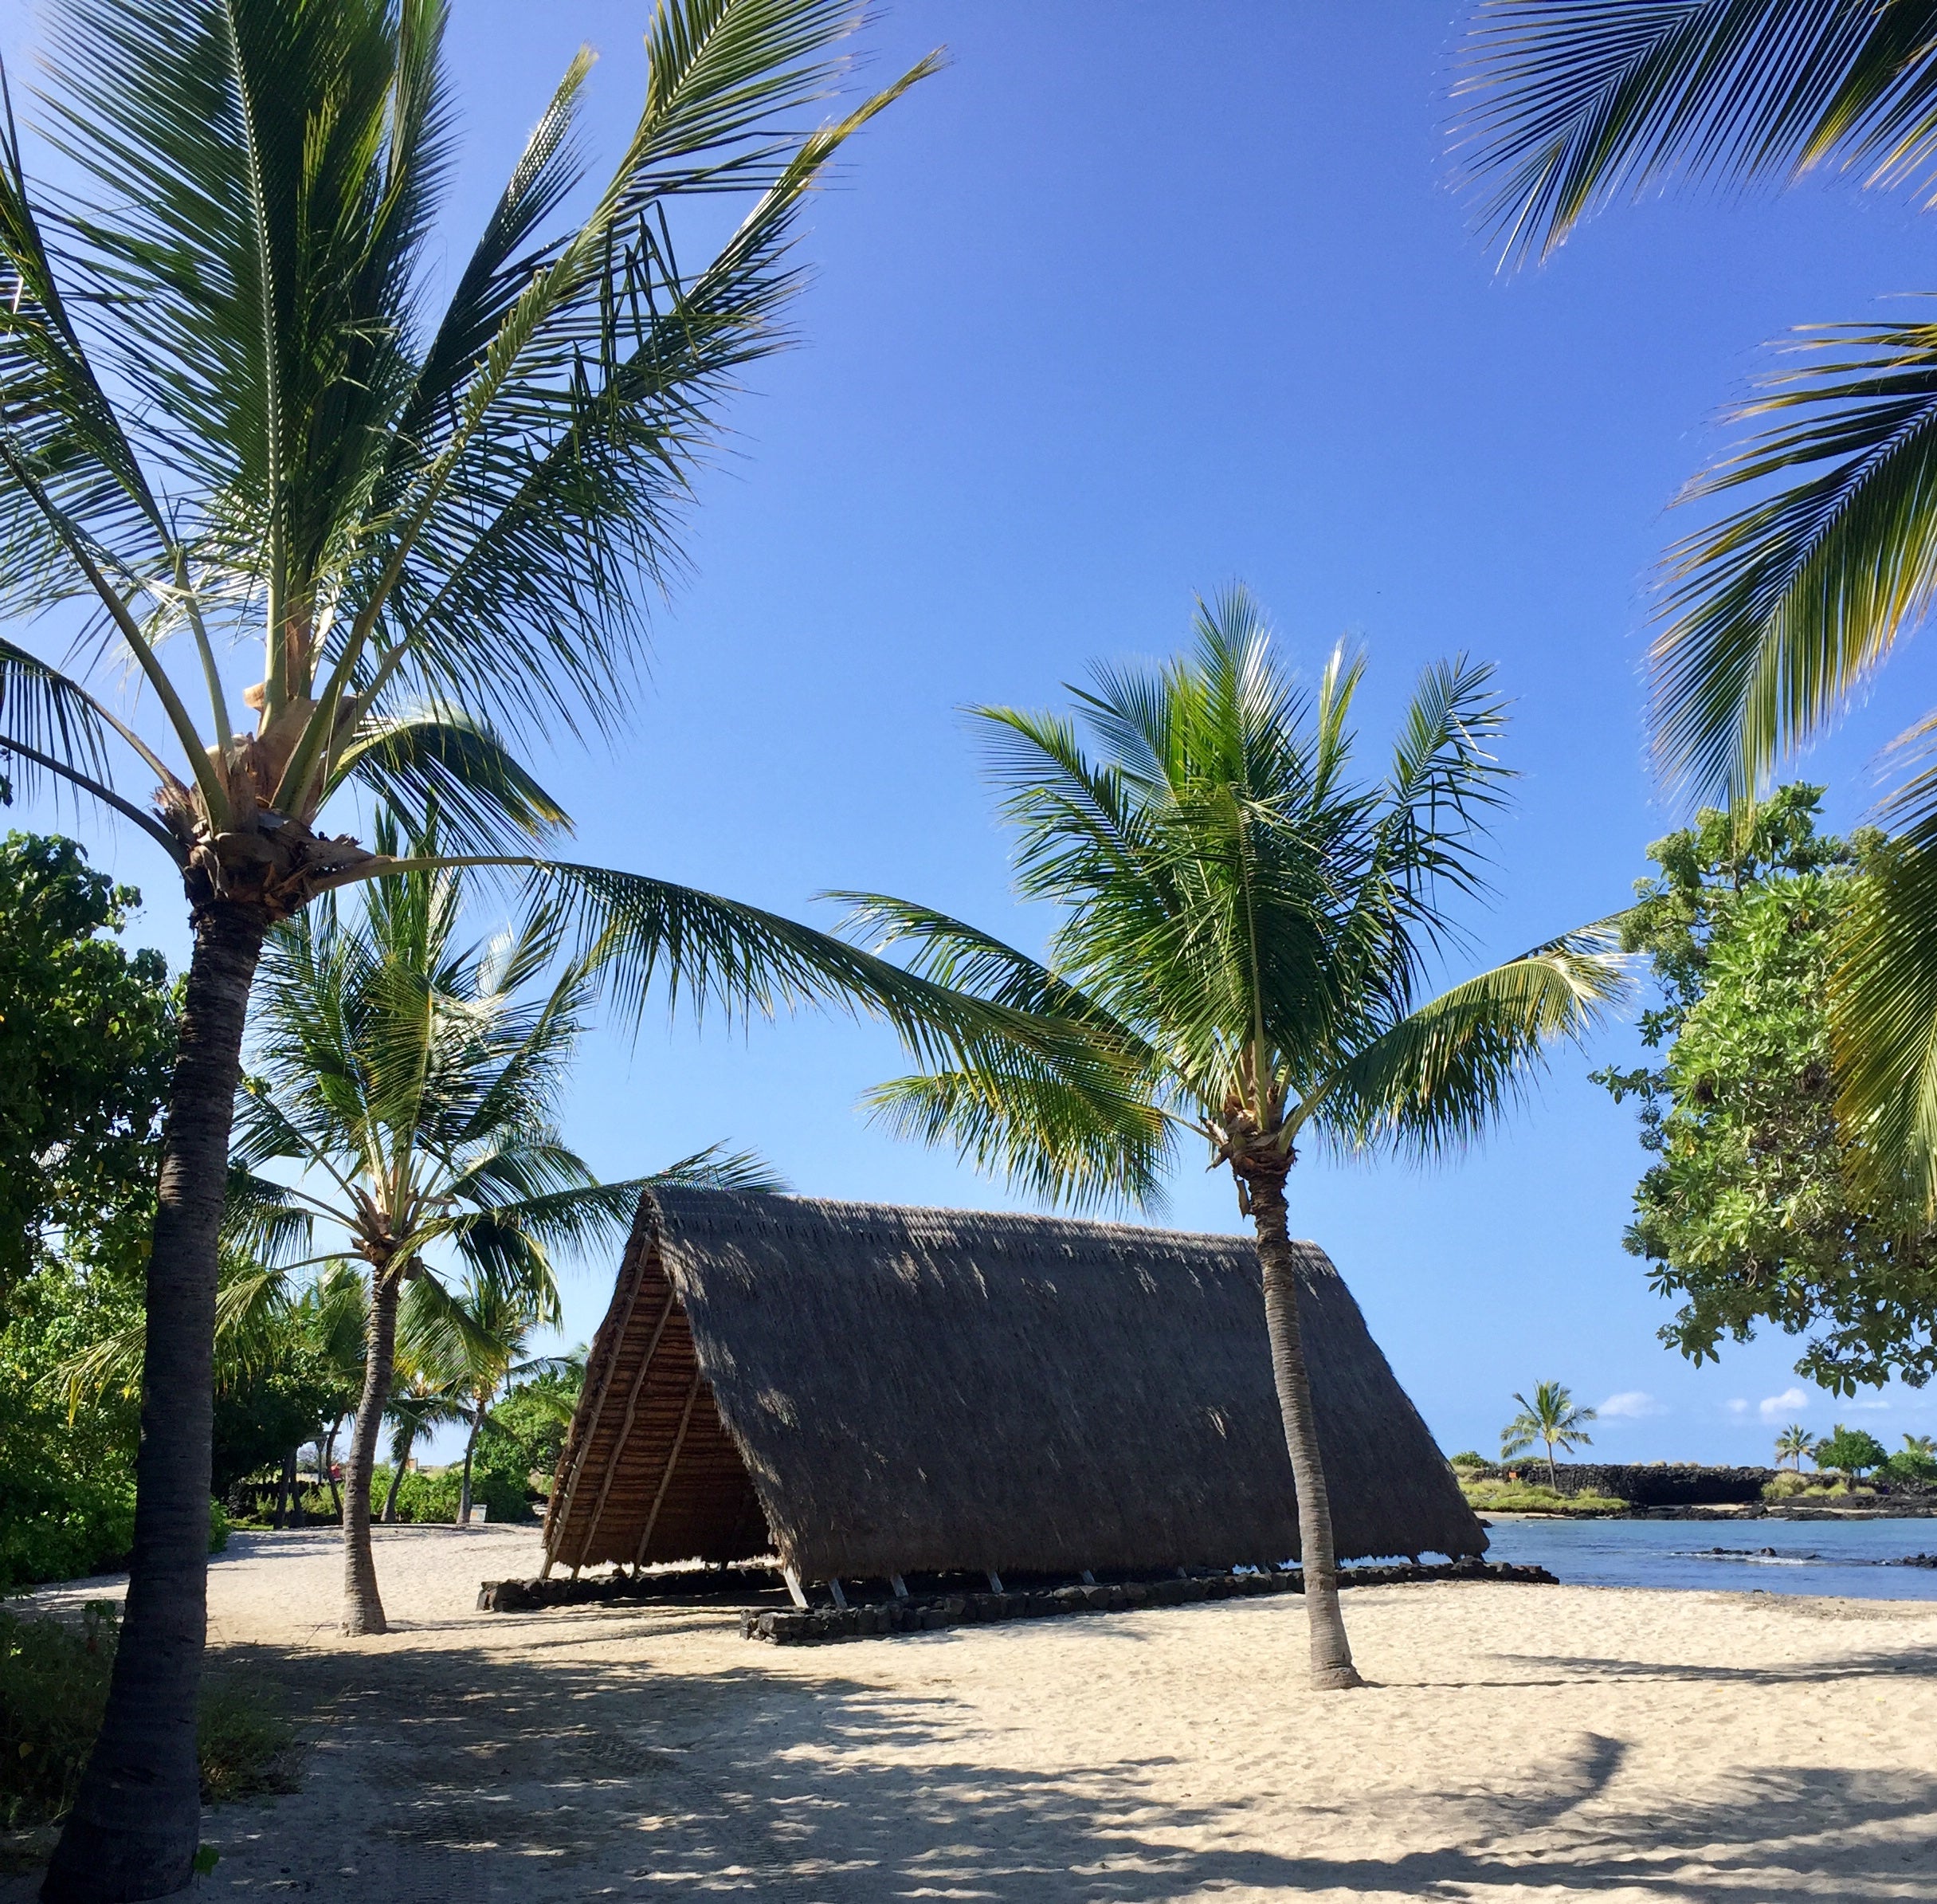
x,y
483,1777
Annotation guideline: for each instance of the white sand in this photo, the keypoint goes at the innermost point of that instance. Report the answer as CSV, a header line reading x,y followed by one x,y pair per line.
x,y
1521,1742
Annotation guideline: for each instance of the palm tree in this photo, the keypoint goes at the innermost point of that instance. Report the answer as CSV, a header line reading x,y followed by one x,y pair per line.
x,y
412,1079
1780,611
231,412
1792,1444
1550,1417
1245,939
478,1335
421,1399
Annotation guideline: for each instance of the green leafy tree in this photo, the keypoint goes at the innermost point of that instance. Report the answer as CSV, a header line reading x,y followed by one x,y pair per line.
x,y
1851,1451
1749,1213
1792,1444
235,414
1783,608
86,1038
525,1432
1246,934
1915,1461
1553,1419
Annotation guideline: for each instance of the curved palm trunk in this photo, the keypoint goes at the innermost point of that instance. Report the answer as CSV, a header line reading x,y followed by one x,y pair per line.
x,y
362,1606
1331,1653
132,1832
1552,1472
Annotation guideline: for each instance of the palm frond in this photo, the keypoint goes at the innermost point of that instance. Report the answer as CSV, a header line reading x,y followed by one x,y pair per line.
x,y
1435,1081
1566,104
1782,612
1884,1009
441,771
716,1167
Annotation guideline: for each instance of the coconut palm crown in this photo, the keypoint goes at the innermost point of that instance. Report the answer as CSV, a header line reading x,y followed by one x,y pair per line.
x,y
298,532
1247,933
1553,1419
1779,611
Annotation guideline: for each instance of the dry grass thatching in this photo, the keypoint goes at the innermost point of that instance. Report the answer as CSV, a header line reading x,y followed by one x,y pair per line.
x,y
877,1390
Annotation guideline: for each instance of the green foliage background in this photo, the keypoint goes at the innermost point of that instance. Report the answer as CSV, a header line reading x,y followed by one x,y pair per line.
x,y
1748,1214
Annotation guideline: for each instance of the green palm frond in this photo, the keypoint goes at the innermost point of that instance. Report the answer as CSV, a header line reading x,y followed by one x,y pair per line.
x,y
1782,610
716,1167
1884,1009
1433,1081
443,771
1567,104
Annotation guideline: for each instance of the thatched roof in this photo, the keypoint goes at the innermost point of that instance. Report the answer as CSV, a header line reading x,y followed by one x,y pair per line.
x,y
871,1391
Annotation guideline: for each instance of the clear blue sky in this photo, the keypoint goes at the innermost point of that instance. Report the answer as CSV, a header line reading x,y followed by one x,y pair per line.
x,y
1128,303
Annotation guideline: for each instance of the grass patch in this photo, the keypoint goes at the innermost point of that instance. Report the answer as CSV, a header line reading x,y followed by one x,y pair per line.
x,y
1523,1497
53,1689
1813,1487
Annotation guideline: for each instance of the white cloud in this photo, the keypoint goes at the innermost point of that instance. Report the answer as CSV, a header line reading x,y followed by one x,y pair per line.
x,y
1631,1404
1737,1407
1787,1403
1867,1401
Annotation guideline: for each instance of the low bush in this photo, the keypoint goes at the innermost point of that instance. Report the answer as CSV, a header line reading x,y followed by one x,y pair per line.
x,y
53,1689
1521,1498
1814,1487
1913,1467
430,1494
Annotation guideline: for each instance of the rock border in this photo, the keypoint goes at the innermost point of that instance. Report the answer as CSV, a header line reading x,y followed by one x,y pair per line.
x,y
817,1625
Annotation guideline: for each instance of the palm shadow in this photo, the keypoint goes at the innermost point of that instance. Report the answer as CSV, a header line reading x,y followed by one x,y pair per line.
x,y
440,1775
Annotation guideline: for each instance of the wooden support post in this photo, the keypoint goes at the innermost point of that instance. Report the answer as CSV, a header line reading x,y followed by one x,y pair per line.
x,y
995,1581
796,1591
899,1586
591,1425
632,1406
665,1480
841,1599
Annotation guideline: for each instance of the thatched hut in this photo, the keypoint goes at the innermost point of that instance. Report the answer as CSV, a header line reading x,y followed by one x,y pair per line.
x,y
871,1391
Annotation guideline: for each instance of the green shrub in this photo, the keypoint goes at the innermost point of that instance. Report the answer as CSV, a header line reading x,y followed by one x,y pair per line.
x,y
1912,1465
1469,1457
53,1689
430,1494
219,1527
1522,1498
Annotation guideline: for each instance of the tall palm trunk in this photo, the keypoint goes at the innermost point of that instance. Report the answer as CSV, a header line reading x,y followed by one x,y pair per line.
x,y
328,1476
132,1832
470,1448
402,1446
1331,1653
362,1606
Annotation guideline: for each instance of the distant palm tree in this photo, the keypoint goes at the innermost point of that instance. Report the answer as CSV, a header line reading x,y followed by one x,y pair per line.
x,y
412,1079
1921,1444
1792,1444
1245,936
1550,1417
422,1399
475,1337
1780,613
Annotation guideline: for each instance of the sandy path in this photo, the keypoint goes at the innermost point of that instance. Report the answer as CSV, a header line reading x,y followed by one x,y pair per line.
x,y
1523,1743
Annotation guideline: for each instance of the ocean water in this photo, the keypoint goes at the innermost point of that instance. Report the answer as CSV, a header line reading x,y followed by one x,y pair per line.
x,y
1844,1557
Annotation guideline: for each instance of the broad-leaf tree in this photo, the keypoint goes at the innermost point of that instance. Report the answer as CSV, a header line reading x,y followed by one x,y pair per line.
x,y
1248,931
235,416
1552,1418
1820,552
1750,1211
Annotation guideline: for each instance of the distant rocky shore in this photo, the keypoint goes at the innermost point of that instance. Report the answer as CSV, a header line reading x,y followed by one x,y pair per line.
x,y
1667,1490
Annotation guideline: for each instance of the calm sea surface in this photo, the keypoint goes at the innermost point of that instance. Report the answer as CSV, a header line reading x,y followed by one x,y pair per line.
x,y
1809,1556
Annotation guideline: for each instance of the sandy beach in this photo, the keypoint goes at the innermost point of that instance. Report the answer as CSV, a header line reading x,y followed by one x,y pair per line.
x,y
1521,1742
